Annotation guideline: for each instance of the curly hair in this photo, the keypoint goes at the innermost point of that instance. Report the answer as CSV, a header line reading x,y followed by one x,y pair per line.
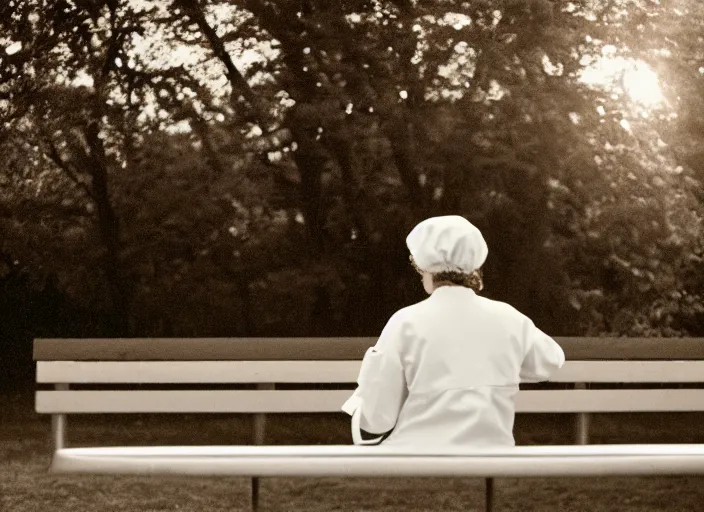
x,y
472,280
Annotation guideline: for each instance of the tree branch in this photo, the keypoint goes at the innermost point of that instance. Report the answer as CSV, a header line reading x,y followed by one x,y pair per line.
x,y
55,157
238,82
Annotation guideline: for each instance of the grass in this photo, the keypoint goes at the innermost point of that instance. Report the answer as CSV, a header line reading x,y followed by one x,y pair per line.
x,y
25,485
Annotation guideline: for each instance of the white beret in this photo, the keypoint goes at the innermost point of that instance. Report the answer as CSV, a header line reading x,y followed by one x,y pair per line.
x,y
449,243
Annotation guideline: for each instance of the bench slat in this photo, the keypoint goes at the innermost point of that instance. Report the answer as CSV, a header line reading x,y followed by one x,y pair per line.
x,y
316,401
257,349
309,461
347,450
222,372
191,372
630,371
191,401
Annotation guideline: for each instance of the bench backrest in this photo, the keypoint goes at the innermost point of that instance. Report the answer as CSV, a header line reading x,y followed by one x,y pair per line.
x,y
173,376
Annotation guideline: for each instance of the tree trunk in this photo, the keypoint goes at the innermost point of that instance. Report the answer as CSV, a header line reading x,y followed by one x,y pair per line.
x,y
400,130
245,296
352,193
310,157
310,161
401,137
109,230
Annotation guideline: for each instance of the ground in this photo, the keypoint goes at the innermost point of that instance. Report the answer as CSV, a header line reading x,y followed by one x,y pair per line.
x,y
25,485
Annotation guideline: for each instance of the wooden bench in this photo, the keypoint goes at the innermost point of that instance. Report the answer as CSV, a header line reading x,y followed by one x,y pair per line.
x,y
65,368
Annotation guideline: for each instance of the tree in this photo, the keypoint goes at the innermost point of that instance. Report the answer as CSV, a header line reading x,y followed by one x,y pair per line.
x,y
236,167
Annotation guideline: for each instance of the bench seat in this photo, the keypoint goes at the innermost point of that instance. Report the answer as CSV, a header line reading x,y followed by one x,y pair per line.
x,y
379,461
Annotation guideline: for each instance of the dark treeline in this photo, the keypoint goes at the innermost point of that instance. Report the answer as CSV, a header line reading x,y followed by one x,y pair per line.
x,y
220,168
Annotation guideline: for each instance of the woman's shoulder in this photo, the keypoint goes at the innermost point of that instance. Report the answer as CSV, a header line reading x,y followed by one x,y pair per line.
x,y
500,308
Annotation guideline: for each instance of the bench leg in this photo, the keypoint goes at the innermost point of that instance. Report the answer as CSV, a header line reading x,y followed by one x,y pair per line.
x,y
259,435
582,429
58,424
255,494
489,495
581,434
58,431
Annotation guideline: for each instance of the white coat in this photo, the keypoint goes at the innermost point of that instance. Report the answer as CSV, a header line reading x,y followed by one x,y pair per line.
x,y
445,371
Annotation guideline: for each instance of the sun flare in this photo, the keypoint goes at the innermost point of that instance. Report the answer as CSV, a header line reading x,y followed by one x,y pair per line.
x,y
634,78
642,85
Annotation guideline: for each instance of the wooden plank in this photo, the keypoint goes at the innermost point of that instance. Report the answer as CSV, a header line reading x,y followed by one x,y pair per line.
x,y
630,371
368,461
190,401
211,372
610,400
340,349
314,401
385,450
583,349
201,349
204,372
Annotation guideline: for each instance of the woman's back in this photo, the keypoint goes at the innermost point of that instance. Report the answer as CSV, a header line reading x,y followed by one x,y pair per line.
x,y
462,356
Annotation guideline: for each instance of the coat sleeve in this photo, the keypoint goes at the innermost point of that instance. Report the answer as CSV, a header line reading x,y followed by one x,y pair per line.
x,y
382,388
543,357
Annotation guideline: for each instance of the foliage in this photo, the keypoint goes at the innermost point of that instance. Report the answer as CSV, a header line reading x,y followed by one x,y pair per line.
x,y
192,167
